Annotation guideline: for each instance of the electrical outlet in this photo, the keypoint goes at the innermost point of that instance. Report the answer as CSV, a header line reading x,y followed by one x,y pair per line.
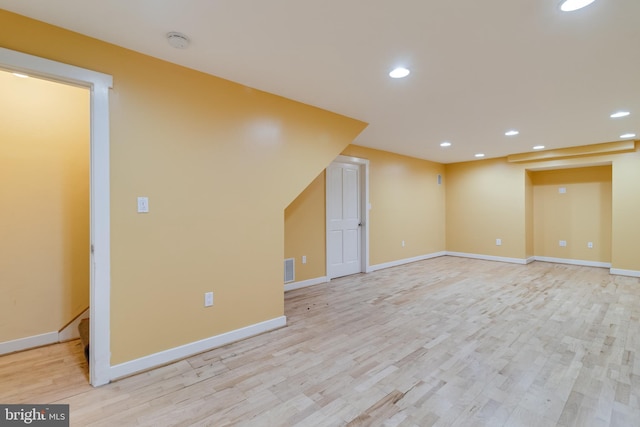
x,y
498,242
563,243
304,259
590,245
143,204
208,299
403,243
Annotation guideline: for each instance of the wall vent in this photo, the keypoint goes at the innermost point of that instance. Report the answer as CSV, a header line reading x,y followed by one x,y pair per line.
x,y
289,270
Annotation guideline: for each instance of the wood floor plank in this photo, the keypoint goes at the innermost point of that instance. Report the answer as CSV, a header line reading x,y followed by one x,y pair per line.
x,y
443,342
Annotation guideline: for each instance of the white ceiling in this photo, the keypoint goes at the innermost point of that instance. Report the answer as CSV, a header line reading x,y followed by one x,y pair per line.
x,y
478,68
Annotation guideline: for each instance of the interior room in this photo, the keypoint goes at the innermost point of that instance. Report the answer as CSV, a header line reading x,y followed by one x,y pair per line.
x,y
315,214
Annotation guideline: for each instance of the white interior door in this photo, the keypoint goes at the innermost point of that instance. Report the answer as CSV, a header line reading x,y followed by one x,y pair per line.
x,y
344,220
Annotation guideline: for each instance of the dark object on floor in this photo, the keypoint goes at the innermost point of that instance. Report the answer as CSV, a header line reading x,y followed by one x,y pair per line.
x,y
83,328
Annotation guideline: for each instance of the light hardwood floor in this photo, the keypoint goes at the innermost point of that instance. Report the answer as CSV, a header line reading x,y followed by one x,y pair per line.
x,y
444,342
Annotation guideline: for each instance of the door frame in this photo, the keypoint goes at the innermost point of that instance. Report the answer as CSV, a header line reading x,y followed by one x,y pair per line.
x,y
99,194
363,165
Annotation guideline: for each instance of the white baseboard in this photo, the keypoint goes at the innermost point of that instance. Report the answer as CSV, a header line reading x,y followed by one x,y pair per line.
x,y
305,283
28,342
70,332
574,262
530,260
183,351
404,261
621,272
490,257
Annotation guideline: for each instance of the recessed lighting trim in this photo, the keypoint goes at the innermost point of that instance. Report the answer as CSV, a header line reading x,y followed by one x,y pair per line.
x,y
619,114
571,5
479,155
445,144
628,135
399,73
22,76
511,132
538,147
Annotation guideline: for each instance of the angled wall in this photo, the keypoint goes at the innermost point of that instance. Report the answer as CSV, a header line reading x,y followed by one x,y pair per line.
x,y
219,162
407,204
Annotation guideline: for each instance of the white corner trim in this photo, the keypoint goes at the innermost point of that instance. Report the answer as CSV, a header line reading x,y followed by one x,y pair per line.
x,y
490,257
28,342
530,260
183,351
70,332
574,262
305,283
621,272
405,261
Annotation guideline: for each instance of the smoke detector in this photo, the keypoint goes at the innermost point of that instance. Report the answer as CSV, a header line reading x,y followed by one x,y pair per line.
x,y
178,40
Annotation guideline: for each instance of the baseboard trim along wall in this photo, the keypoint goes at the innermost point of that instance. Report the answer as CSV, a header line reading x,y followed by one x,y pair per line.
x,y
164,357
70,332
305,283
490,257
405,261
621,272
574,262
28,342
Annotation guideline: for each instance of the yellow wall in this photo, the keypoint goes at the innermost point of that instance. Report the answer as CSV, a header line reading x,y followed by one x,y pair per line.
x,y
485,202
488,200
304,231
625,233
219,163
407,204
528,215
44,219
579,216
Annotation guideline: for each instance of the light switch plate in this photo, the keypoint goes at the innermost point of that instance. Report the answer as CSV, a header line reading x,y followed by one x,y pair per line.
x,y
208,299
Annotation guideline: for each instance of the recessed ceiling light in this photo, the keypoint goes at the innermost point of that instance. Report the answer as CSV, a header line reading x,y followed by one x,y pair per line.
x,y
538,147
22,76
480,155
618,114
571,5
628,135
511,133
399,73
445,144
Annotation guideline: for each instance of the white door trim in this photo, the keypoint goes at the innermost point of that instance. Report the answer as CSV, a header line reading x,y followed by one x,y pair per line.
x,y
364,209
100,280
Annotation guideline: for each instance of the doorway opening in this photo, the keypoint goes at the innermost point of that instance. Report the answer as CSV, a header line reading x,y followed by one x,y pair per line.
x,y
98,85
44,220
